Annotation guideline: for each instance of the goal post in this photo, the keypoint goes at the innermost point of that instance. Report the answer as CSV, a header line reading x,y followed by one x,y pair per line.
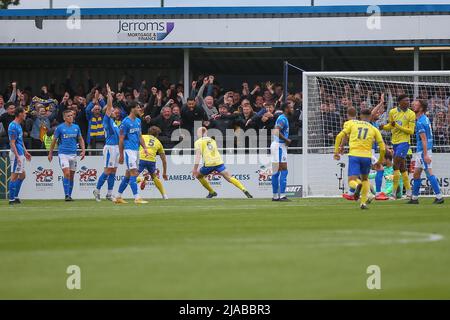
x,y
328,95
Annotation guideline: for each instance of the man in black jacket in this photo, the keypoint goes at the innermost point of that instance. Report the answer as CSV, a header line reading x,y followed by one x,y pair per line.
x,y
191,113
224,120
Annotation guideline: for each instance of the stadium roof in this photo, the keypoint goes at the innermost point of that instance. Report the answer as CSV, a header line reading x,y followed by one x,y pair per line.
x,y
222,11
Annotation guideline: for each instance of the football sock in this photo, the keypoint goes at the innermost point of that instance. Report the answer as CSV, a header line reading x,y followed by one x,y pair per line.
x,y
71,183
276,183
206,184
12,190
416,188
405,179
378,180
134,187
283,181
17,189
101,181
66,186
237,183
159,185
364,191
123,185
435,185
396,180
111,180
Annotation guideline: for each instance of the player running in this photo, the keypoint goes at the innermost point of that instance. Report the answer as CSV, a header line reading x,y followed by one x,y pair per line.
x,y
110,150
67,135
402,121
148,162
361,137
206,148
17,155
424,137
129,140
278,152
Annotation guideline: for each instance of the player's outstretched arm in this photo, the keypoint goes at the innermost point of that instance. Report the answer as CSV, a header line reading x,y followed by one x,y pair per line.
x,y
379,108
109,104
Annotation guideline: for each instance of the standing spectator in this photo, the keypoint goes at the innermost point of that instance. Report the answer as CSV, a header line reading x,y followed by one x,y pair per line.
x,y
167,122
245,119
224,120
191,113
96,132
41,122
207,103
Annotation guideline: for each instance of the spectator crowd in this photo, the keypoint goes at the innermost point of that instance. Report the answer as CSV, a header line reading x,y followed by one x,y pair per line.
x,y
166,105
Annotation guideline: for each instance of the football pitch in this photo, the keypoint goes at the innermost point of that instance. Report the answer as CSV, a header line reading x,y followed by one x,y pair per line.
x,y
224,249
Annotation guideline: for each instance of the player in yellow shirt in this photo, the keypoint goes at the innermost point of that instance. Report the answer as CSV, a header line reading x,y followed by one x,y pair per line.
x,y
148,163
354,182
402,122
206,148
361,135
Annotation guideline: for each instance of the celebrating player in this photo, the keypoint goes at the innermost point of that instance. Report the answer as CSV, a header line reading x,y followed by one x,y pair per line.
x,y
110,150
17,155
148,162
424,137
402,121
67,135
278,152
206,148
129,140
361,137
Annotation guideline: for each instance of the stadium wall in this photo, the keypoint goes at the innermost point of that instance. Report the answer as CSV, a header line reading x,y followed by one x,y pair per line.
x,y
44,179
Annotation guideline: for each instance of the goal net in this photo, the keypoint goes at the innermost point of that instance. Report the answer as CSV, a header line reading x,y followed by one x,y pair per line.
x,y
327,96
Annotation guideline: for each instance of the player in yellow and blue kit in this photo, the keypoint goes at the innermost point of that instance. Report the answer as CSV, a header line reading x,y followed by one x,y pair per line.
x,y
206,148
361,137
402,122
424,137
148,162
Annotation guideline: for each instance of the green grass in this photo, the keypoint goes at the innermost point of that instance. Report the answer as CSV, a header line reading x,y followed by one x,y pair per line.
x,y
224,249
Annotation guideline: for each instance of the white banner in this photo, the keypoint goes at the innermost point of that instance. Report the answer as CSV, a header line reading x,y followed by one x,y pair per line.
x,y
223,31
44,179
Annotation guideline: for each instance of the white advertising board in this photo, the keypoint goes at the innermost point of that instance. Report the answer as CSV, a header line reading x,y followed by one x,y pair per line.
x,y
44,179
226,30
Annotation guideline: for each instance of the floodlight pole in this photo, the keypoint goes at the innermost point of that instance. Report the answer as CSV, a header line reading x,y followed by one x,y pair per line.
x,y
51,4
162,3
